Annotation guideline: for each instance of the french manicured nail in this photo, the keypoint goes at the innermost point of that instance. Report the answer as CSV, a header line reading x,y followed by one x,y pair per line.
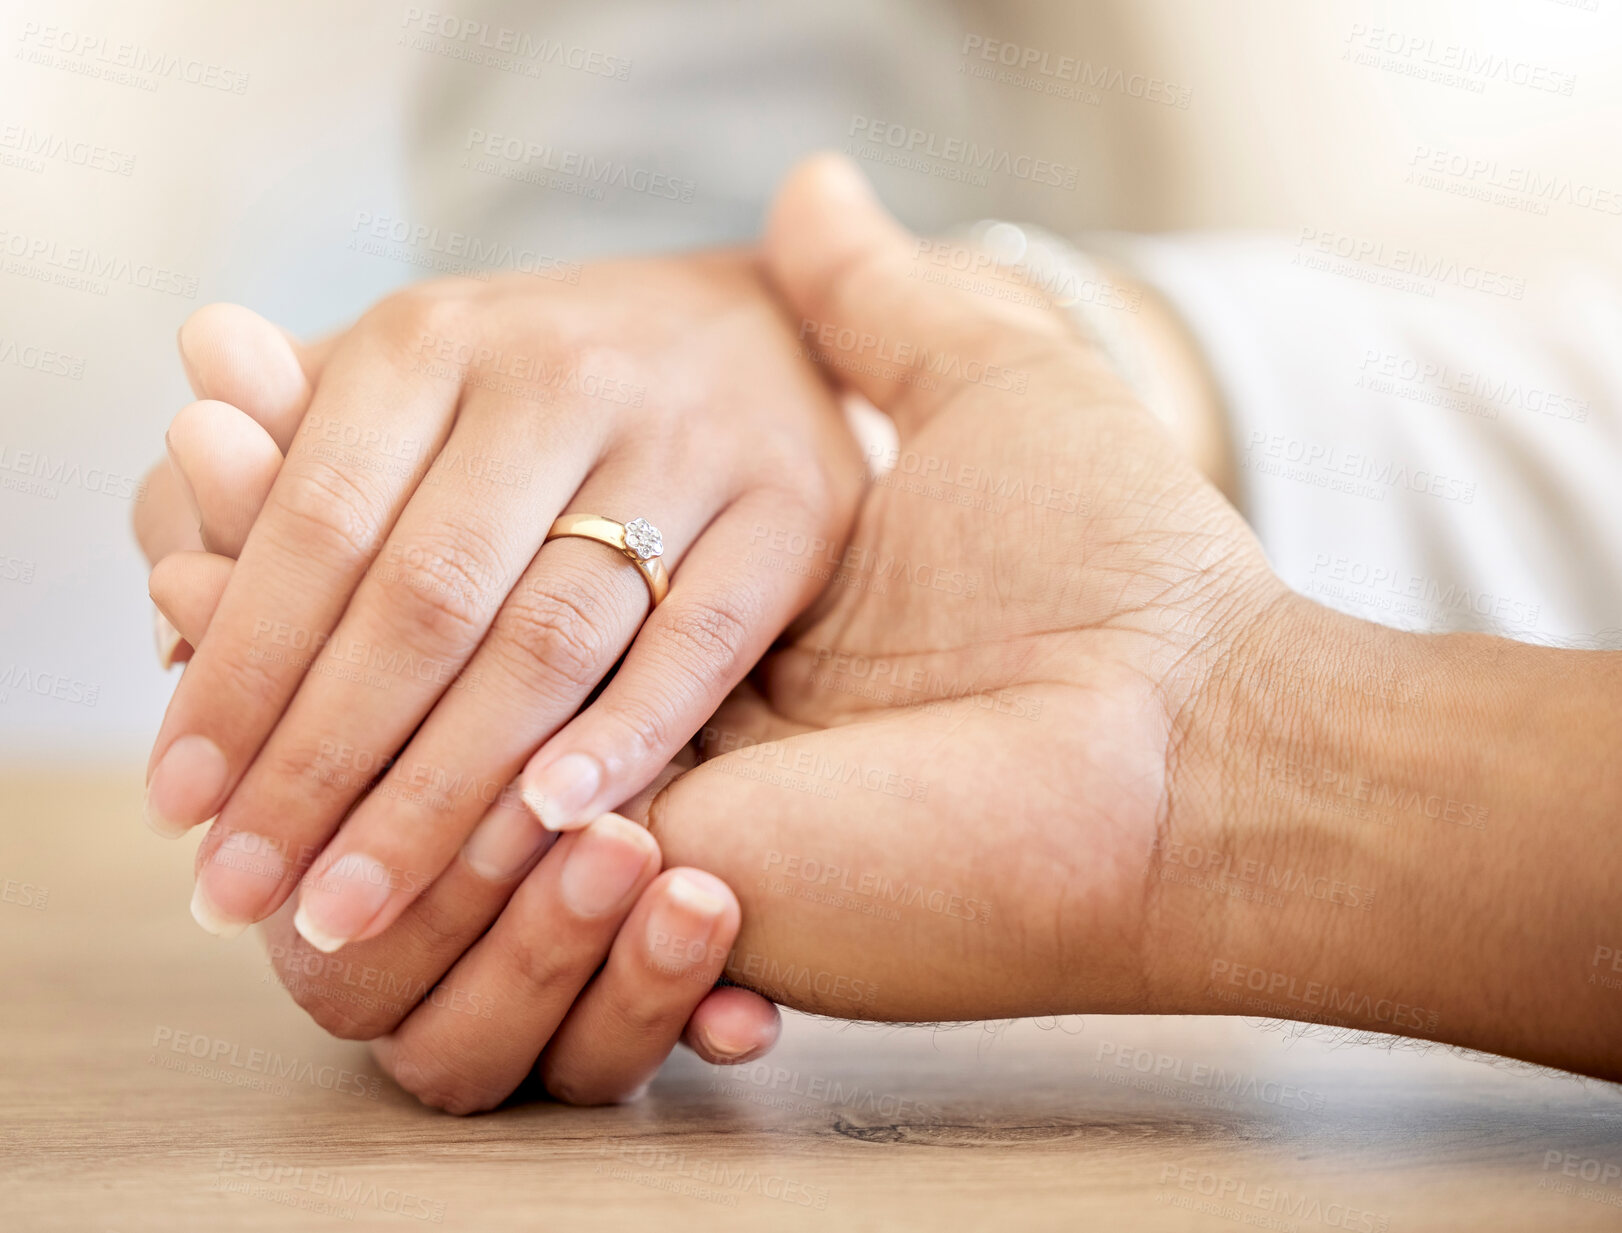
x,y
338,903
205,914
186,786
167,638
684,919
237,883
608,858
560,793
503,843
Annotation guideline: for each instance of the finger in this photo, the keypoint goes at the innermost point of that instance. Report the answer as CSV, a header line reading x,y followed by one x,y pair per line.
x,y
732,1026
844,266
232,354
165,524
530,967
664,962
227,464
403,963
330,504
185,588
735,593
163,517
371,987
558,633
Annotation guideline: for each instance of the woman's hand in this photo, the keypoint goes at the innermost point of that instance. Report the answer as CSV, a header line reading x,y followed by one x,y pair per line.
x,y
393,623
603,1004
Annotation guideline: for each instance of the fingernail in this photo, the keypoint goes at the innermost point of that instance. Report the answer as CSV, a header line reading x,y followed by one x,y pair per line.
x,y
338,903
181,477
730,1052
608,858
186,786
559,794
683,920
503,843
204,913
167,638
237,883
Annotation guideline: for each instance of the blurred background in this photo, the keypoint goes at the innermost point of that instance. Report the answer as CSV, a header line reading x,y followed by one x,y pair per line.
x,y
305,158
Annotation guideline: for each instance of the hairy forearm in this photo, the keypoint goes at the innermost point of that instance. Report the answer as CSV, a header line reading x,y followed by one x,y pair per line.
x,y
1425,834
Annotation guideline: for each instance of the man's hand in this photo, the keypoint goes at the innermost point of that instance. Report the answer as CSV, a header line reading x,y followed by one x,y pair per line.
x,y
956,776
1059,741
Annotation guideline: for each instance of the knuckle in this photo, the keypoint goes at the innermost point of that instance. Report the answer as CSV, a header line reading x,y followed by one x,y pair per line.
x,y
322,499
651,1015
439,1083
249,678
316,996
553,640
436,929
420,319
536,958
339,1020
295,772
710,637
571,1088
650,725
435,589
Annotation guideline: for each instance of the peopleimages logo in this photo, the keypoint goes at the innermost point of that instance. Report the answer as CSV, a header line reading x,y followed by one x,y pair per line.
x,y
45,475
268,1063
1033,68
237,1170
1487,179
840,340
504,47
1331,999
82,268
1290,1206
121,61
37,147
41,359
957,153
456,252
1423,52
1316,246
533,161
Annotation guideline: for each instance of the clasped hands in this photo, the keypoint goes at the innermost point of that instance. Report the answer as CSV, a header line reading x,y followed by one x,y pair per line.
x,y
941,725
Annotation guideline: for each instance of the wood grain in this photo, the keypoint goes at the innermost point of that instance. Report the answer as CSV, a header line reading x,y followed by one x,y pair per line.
x,y
1211,1124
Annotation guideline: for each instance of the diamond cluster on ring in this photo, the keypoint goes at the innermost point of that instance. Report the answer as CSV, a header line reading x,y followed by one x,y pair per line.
x,y
643,538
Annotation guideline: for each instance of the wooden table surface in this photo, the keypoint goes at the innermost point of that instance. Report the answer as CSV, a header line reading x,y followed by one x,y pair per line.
x,y
108,1123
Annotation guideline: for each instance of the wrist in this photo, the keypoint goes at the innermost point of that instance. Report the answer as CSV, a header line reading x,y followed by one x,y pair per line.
x,y
1401,833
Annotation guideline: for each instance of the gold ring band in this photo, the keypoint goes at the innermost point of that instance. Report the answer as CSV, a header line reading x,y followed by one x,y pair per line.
x,y
637,541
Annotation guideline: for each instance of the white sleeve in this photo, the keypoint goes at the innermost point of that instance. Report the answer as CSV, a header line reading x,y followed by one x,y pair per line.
x,y
1422,444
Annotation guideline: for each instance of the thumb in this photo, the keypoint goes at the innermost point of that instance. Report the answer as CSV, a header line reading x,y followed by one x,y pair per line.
x,y
868,310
